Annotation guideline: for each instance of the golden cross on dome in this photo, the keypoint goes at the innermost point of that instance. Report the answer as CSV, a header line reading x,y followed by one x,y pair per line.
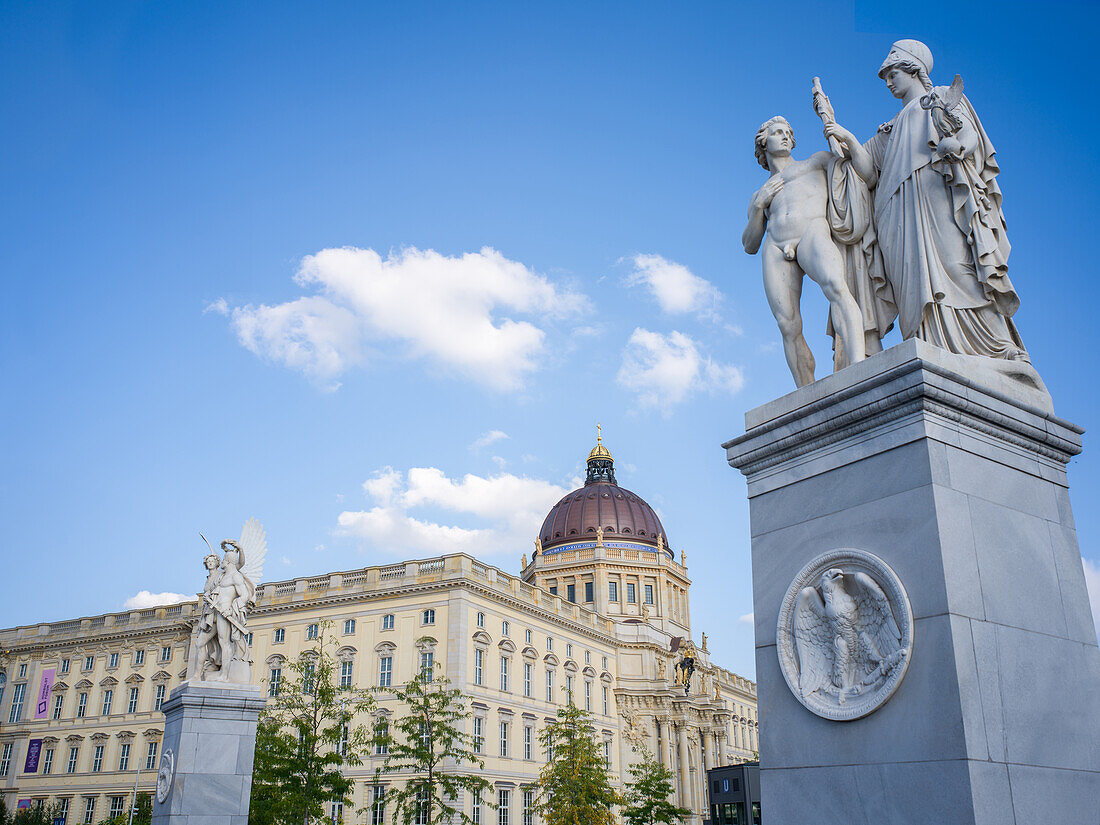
x,y
599,434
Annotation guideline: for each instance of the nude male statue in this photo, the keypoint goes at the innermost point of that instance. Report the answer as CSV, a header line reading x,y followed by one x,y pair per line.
x,y
791,209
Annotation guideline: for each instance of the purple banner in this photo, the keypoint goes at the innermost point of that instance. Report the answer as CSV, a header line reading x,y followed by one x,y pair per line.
x,y
23,805
34,749
42,706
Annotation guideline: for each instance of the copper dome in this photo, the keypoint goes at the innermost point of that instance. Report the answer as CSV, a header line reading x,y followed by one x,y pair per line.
x,y
601,502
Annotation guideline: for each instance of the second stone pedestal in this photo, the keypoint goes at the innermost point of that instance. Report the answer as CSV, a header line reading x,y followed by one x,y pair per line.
x,y
953,475
205,774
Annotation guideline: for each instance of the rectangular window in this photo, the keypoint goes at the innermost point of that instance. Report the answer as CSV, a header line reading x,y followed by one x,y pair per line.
x,y
607,754
428,617
64,665
605,700
528,735
131,706
630,598
381,736
166,653
549,642
479,661
527,636
553,590
589,594
280,635
504,628
503,738
649,594
387,624
587,695
160,697
307,678
311,632
569,689
349,627
16,713
89,810
528,808
480,619
139,658
81,705
385,671
549,685
378,806
5,758
97,759
504,673
588,657
118,803
475,810
427,666
336,810
74,753
47,761
108,695
112,662
479,733
124,756
345,674
612,591
527,668
423,807
63,809
571,591
503,799
151,756
89,662
604,663
274,680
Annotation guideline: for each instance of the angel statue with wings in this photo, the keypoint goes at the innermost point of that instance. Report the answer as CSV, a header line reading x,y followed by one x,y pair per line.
x,y
221,644
847,640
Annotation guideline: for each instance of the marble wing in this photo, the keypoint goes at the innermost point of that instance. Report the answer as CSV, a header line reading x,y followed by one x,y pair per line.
x,y
874,618
812,641
253,551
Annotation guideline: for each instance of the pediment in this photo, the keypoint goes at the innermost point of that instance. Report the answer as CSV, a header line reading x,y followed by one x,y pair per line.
x,y
135,679
108,682
606,677
530,653
482,638
84,684
570,665
60,687
100,737
507,645
385,648
162,676
589,670
550,659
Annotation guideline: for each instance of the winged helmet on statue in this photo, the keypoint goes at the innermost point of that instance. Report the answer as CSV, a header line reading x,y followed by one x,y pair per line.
x,y
221,643
846,637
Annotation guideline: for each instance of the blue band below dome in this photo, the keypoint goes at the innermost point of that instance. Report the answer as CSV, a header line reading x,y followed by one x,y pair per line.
x,y
589,544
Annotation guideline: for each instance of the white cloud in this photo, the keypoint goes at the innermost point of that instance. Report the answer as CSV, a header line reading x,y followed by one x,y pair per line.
x,y
286,560
485,439
506,511
676,288
144,599
663,370
748,619
1092,582
449,311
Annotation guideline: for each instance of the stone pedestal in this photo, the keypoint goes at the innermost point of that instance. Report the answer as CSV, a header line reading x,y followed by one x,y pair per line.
x,y
206,757
953,474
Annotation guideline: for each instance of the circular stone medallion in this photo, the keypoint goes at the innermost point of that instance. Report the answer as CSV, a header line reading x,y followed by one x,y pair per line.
x,y
845,634
165,774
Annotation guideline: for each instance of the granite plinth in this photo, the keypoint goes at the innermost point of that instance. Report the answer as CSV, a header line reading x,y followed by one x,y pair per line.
x,y
957,481
210,728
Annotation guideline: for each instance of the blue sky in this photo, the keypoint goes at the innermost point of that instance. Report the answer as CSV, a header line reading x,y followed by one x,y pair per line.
x,y
553,196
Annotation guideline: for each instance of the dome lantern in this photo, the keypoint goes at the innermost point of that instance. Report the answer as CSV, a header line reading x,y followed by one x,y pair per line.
x,y
601,466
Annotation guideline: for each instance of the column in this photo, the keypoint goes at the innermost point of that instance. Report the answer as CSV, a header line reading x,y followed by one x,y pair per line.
x,y
682,749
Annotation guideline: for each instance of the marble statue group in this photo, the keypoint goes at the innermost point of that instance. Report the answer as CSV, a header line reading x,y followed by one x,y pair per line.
x,y
222,641
906,227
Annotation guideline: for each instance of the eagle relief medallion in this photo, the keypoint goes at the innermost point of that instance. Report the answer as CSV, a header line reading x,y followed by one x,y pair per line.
x,y
845,634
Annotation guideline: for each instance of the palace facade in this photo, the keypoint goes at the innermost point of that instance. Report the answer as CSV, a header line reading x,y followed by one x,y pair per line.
x,y
601,610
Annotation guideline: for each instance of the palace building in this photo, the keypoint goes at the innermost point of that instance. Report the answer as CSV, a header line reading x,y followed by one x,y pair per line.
x,y
601,611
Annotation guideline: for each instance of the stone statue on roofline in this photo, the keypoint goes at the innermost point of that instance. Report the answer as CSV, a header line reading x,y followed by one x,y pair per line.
x,y
221,644
914,215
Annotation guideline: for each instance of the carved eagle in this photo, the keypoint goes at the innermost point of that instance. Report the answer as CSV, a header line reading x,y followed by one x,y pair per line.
x,y
846,638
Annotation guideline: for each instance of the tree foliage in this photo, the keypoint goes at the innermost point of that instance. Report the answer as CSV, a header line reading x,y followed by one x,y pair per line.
x,y
304,738
429,743
574,786
646,800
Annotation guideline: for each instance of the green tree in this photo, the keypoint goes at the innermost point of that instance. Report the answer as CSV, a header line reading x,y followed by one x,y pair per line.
x,y
429,745
574,786
34,815
646,801
304,738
